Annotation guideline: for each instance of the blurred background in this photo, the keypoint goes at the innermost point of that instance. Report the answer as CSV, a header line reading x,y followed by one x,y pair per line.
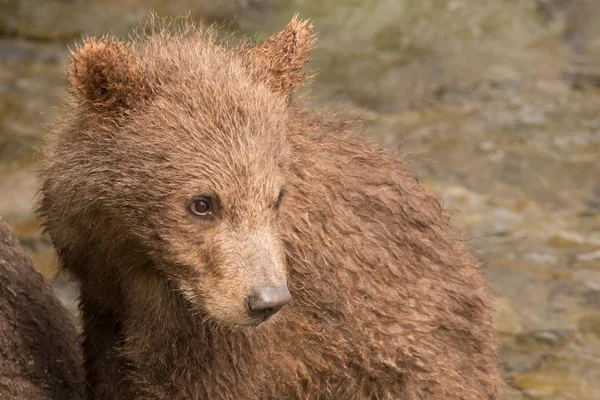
x,y
498,101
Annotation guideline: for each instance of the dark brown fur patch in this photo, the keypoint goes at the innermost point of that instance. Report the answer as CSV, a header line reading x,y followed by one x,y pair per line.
x,y
387,301
40,356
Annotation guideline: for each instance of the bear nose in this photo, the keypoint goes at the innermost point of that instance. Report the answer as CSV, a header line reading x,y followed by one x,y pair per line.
x,y
265,302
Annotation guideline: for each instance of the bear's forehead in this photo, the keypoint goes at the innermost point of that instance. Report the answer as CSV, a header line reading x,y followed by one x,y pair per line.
x,y
209,88
192,65
216,125
207,106
231,120
222,96
197,135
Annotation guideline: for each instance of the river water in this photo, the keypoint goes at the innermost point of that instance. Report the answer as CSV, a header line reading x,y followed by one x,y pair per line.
x,y
498,102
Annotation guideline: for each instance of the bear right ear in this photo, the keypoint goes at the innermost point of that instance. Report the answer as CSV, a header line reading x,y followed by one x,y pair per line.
x,y
107,75
280,60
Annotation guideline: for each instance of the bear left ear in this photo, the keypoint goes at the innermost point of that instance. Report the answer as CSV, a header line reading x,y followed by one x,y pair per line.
x,y
107,75
281,58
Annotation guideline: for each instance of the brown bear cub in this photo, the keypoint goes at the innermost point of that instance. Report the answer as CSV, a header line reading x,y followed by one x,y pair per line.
x,y
40,357
186,191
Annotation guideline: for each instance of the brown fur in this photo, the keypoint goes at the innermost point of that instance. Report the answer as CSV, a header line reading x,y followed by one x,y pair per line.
x,y
387,302
39,353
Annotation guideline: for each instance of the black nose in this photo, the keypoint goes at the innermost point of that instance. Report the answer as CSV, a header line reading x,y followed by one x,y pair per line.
x,y
265,302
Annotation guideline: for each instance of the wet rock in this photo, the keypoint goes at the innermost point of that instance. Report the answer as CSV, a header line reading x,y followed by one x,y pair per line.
x,y
593,256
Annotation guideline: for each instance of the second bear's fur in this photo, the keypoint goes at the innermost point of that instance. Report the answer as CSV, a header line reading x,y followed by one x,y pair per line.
x,y
40,356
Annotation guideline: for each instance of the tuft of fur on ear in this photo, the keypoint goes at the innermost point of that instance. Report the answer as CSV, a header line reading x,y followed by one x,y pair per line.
x,y
283,56
107,75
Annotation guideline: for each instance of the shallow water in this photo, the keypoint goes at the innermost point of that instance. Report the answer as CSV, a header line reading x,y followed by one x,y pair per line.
x,y
498,101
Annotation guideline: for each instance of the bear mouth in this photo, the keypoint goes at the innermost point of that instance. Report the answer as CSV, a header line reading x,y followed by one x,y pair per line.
x,y
251,324
256,322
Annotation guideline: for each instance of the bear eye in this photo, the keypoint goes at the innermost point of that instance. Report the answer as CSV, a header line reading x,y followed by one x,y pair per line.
x,y
282,194
201,206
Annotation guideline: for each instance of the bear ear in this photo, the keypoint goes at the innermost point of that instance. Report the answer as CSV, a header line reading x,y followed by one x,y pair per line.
x,y
107,75
281,58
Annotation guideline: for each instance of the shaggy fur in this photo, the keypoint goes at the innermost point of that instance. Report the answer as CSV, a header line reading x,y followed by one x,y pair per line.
x,y
40,356
387,302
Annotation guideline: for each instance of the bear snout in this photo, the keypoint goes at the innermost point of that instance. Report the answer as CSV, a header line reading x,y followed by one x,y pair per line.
x,y
267,301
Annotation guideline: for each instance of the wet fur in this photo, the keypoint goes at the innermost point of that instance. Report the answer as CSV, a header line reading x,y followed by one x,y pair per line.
x,y
387,301
40,357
